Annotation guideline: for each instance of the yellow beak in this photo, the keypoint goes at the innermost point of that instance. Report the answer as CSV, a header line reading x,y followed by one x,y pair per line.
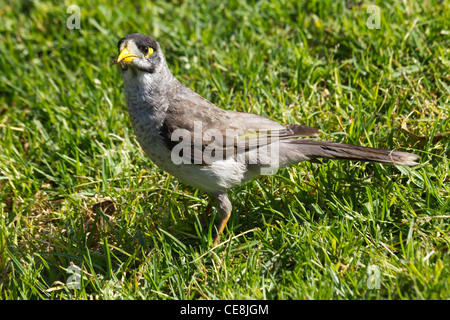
x,y
125,56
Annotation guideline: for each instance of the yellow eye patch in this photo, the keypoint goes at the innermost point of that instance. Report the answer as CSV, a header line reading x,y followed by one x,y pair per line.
x,y
149,51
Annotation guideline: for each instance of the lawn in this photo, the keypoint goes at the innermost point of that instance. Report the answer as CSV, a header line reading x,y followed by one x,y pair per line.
x,y
85,215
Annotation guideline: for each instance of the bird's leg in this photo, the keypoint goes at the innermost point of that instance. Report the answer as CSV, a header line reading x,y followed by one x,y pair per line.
x,y
224,210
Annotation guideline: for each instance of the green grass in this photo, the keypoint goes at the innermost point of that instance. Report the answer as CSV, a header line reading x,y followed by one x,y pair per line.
x,y
75,187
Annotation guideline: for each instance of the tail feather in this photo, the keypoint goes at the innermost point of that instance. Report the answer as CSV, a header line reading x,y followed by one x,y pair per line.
x,y
313,149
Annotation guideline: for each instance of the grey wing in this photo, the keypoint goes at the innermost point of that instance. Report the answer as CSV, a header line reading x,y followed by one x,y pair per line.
x,y
208,132
258,130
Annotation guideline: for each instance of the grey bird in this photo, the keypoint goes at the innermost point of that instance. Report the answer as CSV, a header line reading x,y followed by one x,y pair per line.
x,y
210,148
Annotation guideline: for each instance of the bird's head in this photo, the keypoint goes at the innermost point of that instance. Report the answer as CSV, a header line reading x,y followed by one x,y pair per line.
x,y
140,52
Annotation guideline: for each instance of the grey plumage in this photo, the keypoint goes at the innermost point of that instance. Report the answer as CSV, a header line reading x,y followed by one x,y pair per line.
x,y
232,147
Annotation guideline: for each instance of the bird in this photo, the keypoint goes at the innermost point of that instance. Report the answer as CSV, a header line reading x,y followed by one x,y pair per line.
x,y
210,148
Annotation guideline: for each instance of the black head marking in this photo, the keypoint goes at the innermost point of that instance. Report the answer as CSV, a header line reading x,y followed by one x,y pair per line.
x,y
141,41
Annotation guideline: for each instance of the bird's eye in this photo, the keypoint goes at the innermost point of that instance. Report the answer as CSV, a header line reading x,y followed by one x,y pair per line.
x,y
148,51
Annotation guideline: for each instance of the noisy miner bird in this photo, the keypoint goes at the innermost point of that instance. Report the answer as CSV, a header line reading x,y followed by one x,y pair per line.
x,y
210,148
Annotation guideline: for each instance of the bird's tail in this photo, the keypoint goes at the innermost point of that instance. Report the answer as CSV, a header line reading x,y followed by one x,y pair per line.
x,y
313,149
